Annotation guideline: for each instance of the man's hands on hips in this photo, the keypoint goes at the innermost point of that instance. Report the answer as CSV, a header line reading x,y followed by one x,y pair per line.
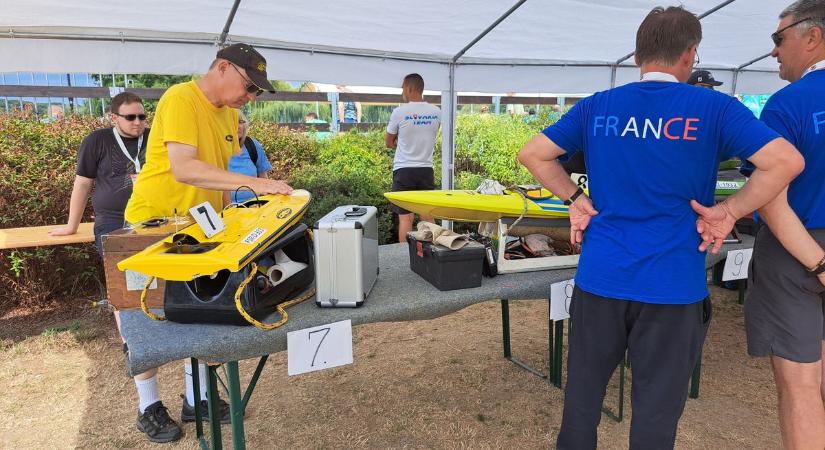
x,y
713,224
581,210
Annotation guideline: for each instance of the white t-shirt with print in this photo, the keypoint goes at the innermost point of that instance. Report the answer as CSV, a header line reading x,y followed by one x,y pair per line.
x,y
416,124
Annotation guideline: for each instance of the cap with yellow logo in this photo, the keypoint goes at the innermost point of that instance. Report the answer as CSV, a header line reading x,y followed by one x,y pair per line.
x,y
243,55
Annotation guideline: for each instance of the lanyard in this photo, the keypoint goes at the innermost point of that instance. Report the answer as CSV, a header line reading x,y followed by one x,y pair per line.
x,y
818,66
120,143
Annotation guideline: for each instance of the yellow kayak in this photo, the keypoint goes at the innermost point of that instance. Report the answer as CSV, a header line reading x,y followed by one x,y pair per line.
x,y
474,207
250,229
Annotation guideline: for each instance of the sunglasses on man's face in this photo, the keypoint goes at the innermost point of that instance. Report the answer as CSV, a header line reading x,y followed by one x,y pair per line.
x,y
251,87
132,117
777,35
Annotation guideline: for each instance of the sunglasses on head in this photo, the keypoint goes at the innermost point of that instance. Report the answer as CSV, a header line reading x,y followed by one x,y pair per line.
x,y
132,117
777,35
251,87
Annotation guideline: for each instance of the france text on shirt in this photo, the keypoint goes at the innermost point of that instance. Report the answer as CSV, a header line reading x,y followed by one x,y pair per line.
x,y
681,126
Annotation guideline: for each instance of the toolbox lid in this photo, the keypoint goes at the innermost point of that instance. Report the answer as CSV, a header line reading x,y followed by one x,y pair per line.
x,y
473,250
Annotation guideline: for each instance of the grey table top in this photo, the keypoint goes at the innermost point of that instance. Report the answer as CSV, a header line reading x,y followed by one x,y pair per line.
x,y
398,295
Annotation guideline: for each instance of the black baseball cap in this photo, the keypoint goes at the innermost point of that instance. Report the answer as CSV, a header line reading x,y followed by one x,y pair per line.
x,y
703,77
243,55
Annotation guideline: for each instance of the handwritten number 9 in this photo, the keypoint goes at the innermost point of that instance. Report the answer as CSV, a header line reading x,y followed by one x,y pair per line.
x,y
737,261
568,296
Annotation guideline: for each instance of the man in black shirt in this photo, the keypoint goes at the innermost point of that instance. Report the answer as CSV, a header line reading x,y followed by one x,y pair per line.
x,y
109,160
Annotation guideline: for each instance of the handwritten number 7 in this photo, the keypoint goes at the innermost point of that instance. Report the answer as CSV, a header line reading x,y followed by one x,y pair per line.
x,y
309,337
203,211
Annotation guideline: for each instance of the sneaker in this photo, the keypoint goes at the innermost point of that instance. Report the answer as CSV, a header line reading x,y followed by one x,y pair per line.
x,y
187,412
157,424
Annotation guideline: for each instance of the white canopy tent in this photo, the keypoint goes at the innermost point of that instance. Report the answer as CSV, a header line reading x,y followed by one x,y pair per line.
x,y
562,46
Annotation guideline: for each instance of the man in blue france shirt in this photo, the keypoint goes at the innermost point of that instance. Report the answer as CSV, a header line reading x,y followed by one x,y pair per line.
x,y
785,307
652,149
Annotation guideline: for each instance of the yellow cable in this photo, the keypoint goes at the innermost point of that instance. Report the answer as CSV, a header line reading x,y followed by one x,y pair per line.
x,y
281,308
143,304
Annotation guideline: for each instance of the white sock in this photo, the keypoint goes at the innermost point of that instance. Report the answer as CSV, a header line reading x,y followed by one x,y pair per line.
x,y
147,392
190,388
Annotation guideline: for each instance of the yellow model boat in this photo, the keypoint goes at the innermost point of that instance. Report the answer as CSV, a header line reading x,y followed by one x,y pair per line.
x,y
474,207
471,206
250,229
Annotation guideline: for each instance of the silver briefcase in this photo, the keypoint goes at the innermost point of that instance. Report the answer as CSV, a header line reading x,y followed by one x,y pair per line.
x,y
346,256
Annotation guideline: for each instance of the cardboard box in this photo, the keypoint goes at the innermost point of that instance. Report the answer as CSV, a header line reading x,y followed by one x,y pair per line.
x,y
123,289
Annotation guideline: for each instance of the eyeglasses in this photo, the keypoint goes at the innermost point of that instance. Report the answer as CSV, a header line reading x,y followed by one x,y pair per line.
x,y
132,117
696,59
251,87
777,35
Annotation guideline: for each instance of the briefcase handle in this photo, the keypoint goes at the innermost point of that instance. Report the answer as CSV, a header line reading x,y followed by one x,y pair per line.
x,y
356,211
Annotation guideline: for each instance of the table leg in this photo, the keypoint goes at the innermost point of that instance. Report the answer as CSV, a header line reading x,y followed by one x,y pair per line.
x,y
743,287
695,378
558,353
236,406
618,417
505,338
196,384
214,407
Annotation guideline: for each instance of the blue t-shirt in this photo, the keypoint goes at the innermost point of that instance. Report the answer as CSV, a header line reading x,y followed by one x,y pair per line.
x,y
650,147
241,163
797,112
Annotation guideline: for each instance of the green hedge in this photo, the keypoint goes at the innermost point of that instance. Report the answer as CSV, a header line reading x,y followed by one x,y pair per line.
x,y
37,163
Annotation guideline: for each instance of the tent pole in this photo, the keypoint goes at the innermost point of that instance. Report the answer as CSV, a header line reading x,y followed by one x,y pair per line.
x,y
225,32
448,127
448,113
739,69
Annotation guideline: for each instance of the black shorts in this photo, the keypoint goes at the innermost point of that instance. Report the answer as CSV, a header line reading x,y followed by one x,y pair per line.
x,y
785,306
411,179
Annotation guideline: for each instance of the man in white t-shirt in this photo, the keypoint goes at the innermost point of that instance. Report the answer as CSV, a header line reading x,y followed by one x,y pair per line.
x,y
411,132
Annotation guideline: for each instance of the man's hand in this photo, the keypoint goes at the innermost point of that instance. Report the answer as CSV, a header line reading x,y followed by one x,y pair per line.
x,y
267,186
580,213
713,224
65,230
821,277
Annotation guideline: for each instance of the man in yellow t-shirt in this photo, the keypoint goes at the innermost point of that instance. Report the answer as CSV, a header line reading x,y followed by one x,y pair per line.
x,y
193,136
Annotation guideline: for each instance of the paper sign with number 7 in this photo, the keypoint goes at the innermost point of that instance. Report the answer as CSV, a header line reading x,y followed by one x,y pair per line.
x,y
319,347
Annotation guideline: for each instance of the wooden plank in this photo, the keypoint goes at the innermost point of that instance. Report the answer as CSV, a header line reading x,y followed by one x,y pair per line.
x,y
73,91
39,236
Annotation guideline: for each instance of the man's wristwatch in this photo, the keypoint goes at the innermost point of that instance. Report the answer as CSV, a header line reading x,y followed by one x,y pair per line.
x,y
573,197
818,269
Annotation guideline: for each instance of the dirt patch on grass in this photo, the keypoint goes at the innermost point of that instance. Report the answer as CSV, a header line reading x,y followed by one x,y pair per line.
x,y
440,383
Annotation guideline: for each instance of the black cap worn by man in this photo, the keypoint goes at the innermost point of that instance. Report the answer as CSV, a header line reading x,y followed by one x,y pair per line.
x,y
243,55
703,78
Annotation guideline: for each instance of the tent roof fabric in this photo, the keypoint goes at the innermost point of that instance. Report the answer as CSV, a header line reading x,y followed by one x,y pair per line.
x,y
565,46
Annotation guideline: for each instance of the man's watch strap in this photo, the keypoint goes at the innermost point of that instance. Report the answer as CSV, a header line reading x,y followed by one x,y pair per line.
x,y
819,268
573,197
